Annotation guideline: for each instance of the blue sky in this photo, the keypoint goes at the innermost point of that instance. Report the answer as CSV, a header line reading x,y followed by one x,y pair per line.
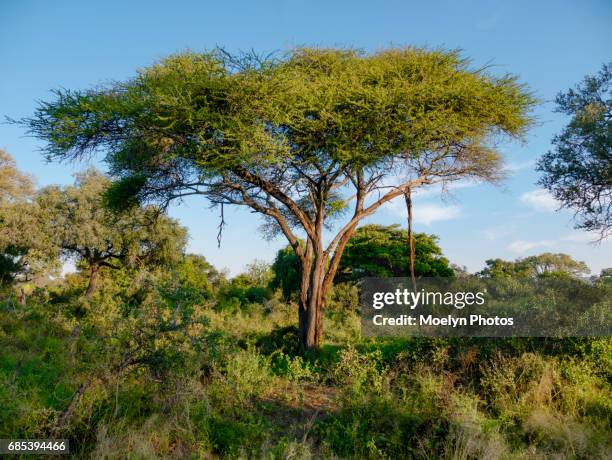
x,y
551,45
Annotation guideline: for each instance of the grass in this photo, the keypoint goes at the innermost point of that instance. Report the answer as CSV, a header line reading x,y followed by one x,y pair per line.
x,y
237,388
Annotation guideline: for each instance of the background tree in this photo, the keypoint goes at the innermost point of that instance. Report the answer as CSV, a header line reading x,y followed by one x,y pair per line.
x,y
198,277
549,263
26,253
578,172
381,251
86,230
299,140
287,272
373,250
546,264
499,268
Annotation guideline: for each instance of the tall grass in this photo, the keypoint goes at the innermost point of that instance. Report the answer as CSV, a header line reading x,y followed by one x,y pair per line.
x,y
233,385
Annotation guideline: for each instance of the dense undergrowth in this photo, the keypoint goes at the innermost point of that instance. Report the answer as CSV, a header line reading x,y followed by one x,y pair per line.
x,y
154,372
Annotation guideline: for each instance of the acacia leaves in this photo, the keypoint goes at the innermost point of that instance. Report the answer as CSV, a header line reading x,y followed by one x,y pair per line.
x,y
361,108
192,118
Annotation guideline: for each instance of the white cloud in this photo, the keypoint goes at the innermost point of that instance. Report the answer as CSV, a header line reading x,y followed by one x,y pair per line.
x,y
68,267
540,200
431,213
522,246
582,237
497,232
575,237
519,166
424,214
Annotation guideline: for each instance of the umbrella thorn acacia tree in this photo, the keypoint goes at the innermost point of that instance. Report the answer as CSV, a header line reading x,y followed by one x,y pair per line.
x,y
84,228
302,140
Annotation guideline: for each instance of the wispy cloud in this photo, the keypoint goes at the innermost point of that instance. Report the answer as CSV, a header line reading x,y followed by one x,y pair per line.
x,y
519,166
573,238
444,189
68,267
540,200
522,246
497,232
583,237
431,213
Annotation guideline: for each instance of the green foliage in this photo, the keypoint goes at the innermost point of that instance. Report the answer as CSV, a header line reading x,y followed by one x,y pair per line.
x,y
214,111
379,251
206,383
546,264
84,229
26,253
287,272
578,172
373,251
281,339
243,290
199,278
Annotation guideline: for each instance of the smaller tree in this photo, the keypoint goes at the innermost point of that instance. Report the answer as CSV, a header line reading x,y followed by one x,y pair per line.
x,y
26,254
85,229
499,268
578,172
287,272
198,277
374,250
547,264
382,251
259,271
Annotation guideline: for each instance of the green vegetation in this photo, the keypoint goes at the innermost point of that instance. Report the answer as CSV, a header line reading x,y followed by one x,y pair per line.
x,y
160,364
168,358
546,264
82,228
378,251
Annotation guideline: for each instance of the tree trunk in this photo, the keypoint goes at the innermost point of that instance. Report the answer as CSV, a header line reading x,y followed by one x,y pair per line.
x,y
21,298
312,299
94,274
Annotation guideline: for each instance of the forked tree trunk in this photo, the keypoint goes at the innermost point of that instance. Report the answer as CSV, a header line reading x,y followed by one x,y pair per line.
x,y
94,274
312,299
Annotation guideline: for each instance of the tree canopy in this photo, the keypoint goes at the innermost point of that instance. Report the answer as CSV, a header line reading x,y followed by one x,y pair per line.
x,y
373,251
578,171
546,264
381,251
287,272
83,228
299,139
25,249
